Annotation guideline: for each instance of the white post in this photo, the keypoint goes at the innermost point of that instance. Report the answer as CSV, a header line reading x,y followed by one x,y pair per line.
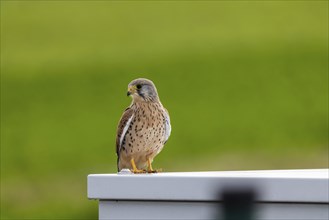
x,y
281,194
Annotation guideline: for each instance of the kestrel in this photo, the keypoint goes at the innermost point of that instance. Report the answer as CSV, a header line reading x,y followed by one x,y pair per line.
x,y
143,129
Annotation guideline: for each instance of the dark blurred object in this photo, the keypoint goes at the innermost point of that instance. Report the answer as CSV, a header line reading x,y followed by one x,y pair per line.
x,y
238,204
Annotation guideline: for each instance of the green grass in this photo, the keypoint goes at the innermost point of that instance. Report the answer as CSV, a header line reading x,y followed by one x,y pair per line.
x,y
246,85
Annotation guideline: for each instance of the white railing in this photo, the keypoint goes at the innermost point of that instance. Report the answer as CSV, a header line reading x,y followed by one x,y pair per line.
x,y
268,194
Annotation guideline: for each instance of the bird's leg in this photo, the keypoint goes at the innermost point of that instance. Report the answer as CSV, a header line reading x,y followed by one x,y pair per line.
x,y
150,169
149,164
135,170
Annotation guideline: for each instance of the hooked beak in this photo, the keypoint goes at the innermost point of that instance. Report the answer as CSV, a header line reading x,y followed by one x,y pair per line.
x,y
131,90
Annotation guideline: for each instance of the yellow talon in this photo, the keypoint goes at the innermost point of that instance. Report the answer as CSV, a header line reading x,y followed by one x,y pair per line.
x,y
135,170
149,164
150,168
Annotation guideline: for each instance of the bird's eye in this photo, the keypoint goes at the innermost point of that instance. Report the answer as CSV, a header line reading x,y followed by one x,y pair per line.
x,y
139,86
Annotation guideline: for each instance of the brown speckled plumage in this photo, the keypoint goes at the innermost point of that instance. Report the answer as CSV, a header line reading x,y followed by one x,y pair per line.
x,y
143,129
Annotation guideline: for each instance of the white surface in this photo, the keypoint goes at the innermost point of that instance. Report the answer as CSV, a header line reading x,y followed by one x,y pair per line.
x,y
309,186
206,210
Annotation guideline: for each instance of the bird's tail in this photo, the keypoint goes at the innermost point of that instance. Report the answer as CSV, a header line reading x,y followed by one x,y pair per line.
x,y
118,160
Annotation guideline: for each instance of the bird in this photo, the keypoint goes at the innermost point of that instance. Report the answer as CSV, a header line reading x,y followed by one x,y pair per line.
x,y
143,130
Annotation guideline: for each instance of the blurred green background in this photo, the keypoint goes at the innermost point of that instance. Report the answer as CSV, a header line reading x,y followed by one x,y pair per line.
x,y
246,85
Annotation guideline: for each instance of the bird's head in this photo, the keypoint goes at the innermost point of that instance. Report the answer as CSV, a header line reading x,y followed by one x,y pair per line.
x,y
142,90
